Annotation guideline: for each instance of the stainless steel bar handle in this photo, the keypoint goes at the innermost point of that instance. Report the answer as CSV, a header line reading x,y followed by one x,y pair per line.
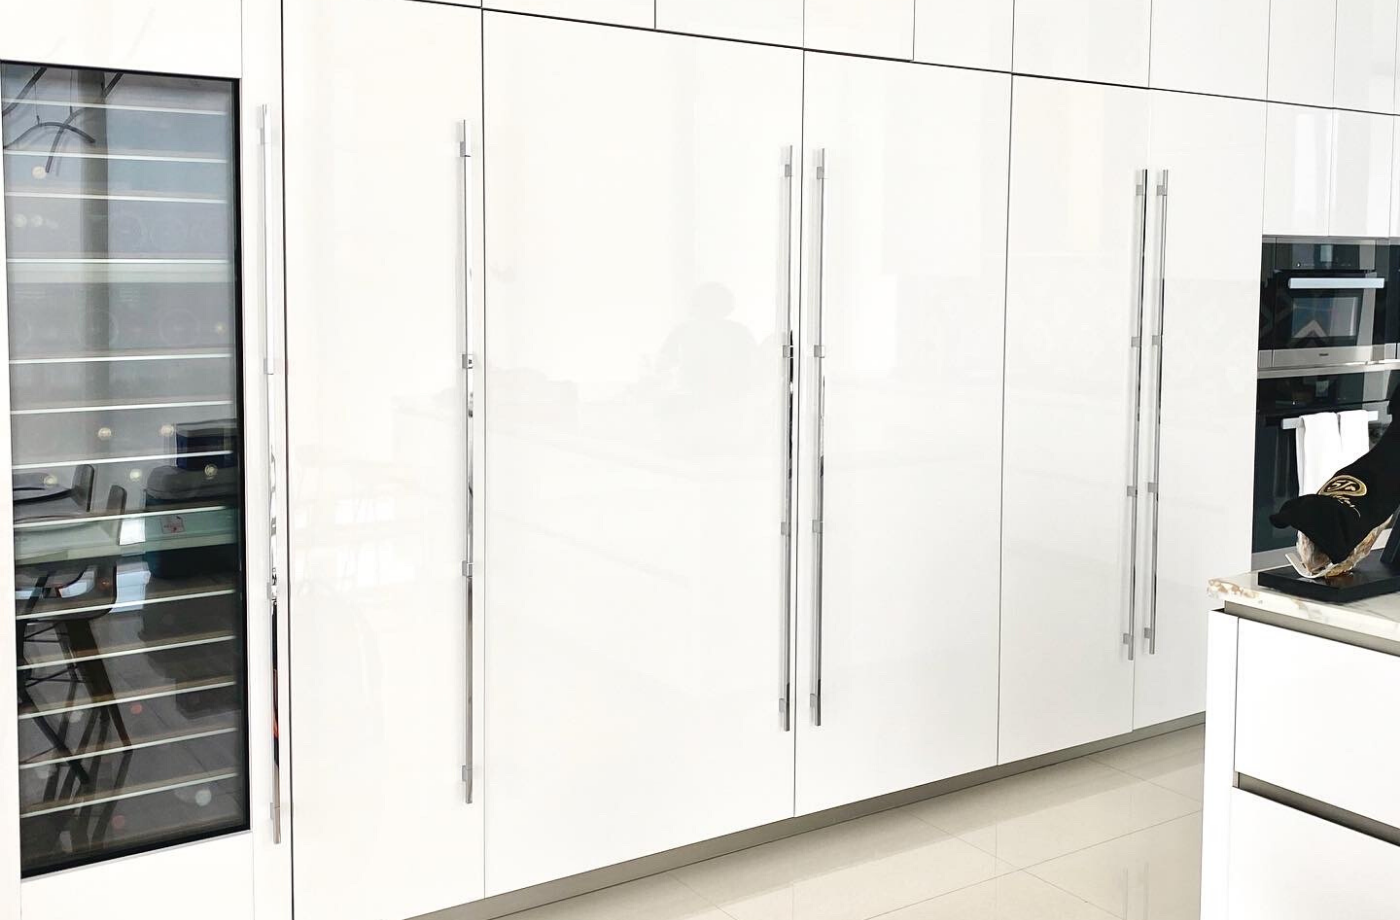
x,y
1154,486
469,367
269,374
819,495
1139,293
789,396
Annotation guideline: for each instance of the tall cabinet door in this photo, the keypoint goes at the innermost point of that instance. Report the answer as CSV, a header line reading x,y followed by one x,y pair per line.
x,y
639,280
904,288
377,412
1073,303
1203,296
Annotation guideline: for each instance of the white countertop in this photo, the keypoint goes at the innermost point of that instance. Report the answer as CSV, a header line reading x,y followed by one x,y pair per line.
x,y
1378,617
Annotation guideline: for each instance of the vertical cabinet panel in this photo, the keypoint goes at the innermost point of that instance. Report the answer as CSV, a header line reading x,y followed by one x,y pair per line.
x,y
1359,203
1211,46
963,34
638,287
1365,67
1099,40
912,264
377,410
1302,51
1207,315
144,35
1073,291
883,28
776,21
1297,171
640,13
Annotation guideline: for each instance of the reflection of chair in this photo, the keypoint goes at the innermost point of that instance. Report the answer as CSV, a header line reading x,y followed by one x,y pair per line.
x,y
83,478
74,638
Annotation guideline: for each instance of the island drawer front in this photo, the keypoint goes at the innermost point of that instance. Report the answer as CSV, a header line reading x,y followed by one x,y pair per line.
x,y
1319,718
1289,865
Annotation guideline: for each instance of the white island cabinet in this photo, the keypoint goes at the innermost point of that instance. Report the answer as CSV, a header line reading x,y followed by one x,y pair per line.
x,y
1302,812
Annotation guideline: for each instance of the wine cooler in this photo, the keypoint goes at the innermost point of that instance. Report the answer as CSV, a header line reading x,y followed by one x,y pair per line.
x,y
123,311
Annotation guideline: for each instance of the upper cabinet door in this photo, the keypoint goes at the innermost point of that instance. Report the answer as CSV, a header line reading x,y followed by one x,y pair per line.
x,y
965,34
1365,69
1203,300
151,35
1361,168
1211,46
637,441
1297,170
911,254
777,22
1302,51
1105,41
640,13
1073,302
882,28
375,321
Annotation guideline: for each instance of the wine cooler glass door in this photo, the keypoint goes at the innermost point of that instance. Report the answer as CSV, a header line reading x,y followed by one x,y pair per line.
x,y
120,208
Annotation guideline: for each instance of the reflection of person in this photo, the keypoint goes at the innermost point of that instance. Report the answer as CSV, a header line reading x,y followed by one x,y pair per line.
x,y
710,352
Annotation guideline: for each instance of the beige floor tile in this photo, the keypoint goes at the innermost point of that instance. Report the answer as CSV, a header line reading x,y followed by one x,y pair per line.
x,y
853,871
1182,773
1140,753
1154,874
658,897
1010,897
1028,820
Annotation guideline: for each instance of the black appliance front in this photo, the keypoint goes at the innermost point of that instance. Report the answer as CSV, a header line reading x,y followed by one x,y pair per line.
x,y
1327,302
1284,396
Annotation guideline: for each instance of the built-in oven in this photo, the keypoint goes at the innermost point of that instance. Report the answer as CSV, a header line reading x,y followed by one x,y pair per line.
x,y
1286,394
1327,302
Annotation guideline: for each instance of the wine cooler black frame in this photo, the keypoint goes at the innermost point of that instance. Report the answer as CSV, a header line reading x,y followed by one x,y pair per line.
x,y
238,359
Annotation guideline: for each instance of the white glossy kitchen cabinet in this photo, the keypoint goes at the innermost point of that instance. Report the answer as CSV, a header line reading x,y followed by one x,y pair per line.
x,y
1286,864
1297,170
1203,295
964,34
906,232
882,28
1359,195
1302,51
639,13
1219,47
1395,178
379,198
1100,40
637,441
777,22
1365,66
1078,153
151,35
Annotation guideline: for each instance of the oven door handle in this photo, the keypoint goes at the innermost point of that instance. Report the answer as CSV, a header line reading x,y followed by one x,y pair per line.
x,y
1336,284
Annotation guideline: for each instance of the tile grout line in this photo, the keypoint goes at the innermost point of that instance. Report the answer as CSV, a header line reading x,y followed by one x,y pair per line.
x,y
707,900
1198,810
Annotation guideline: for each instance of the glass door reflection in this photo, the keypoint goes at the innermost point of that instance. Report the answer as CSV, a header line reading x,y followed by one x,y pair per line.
x,y
120,204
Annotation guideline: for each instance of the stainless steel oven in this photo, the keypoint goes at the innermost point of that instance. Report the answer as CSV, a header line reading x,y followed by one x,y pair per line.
x,y
1284,395
1327,302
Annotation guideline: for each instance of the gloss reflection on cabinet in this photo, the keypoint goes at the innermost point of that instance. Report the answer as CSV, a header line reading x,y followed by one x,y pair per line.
x,y
120,219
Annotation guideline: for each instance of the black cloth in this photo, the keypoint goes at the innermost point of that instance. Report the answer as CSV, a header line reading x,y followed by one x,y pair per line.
x,y
1354,502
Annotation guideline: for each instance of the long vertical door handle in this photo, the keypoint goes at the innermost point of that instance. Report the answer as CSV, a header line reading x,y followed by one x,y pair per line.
x,y
789,395
1139,305
1154,486
464,157
819,494
269,375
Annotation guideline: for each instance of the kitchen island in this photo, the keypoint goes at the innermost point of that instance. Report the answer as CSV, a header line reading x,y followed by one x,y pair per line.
x,y
1302,762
